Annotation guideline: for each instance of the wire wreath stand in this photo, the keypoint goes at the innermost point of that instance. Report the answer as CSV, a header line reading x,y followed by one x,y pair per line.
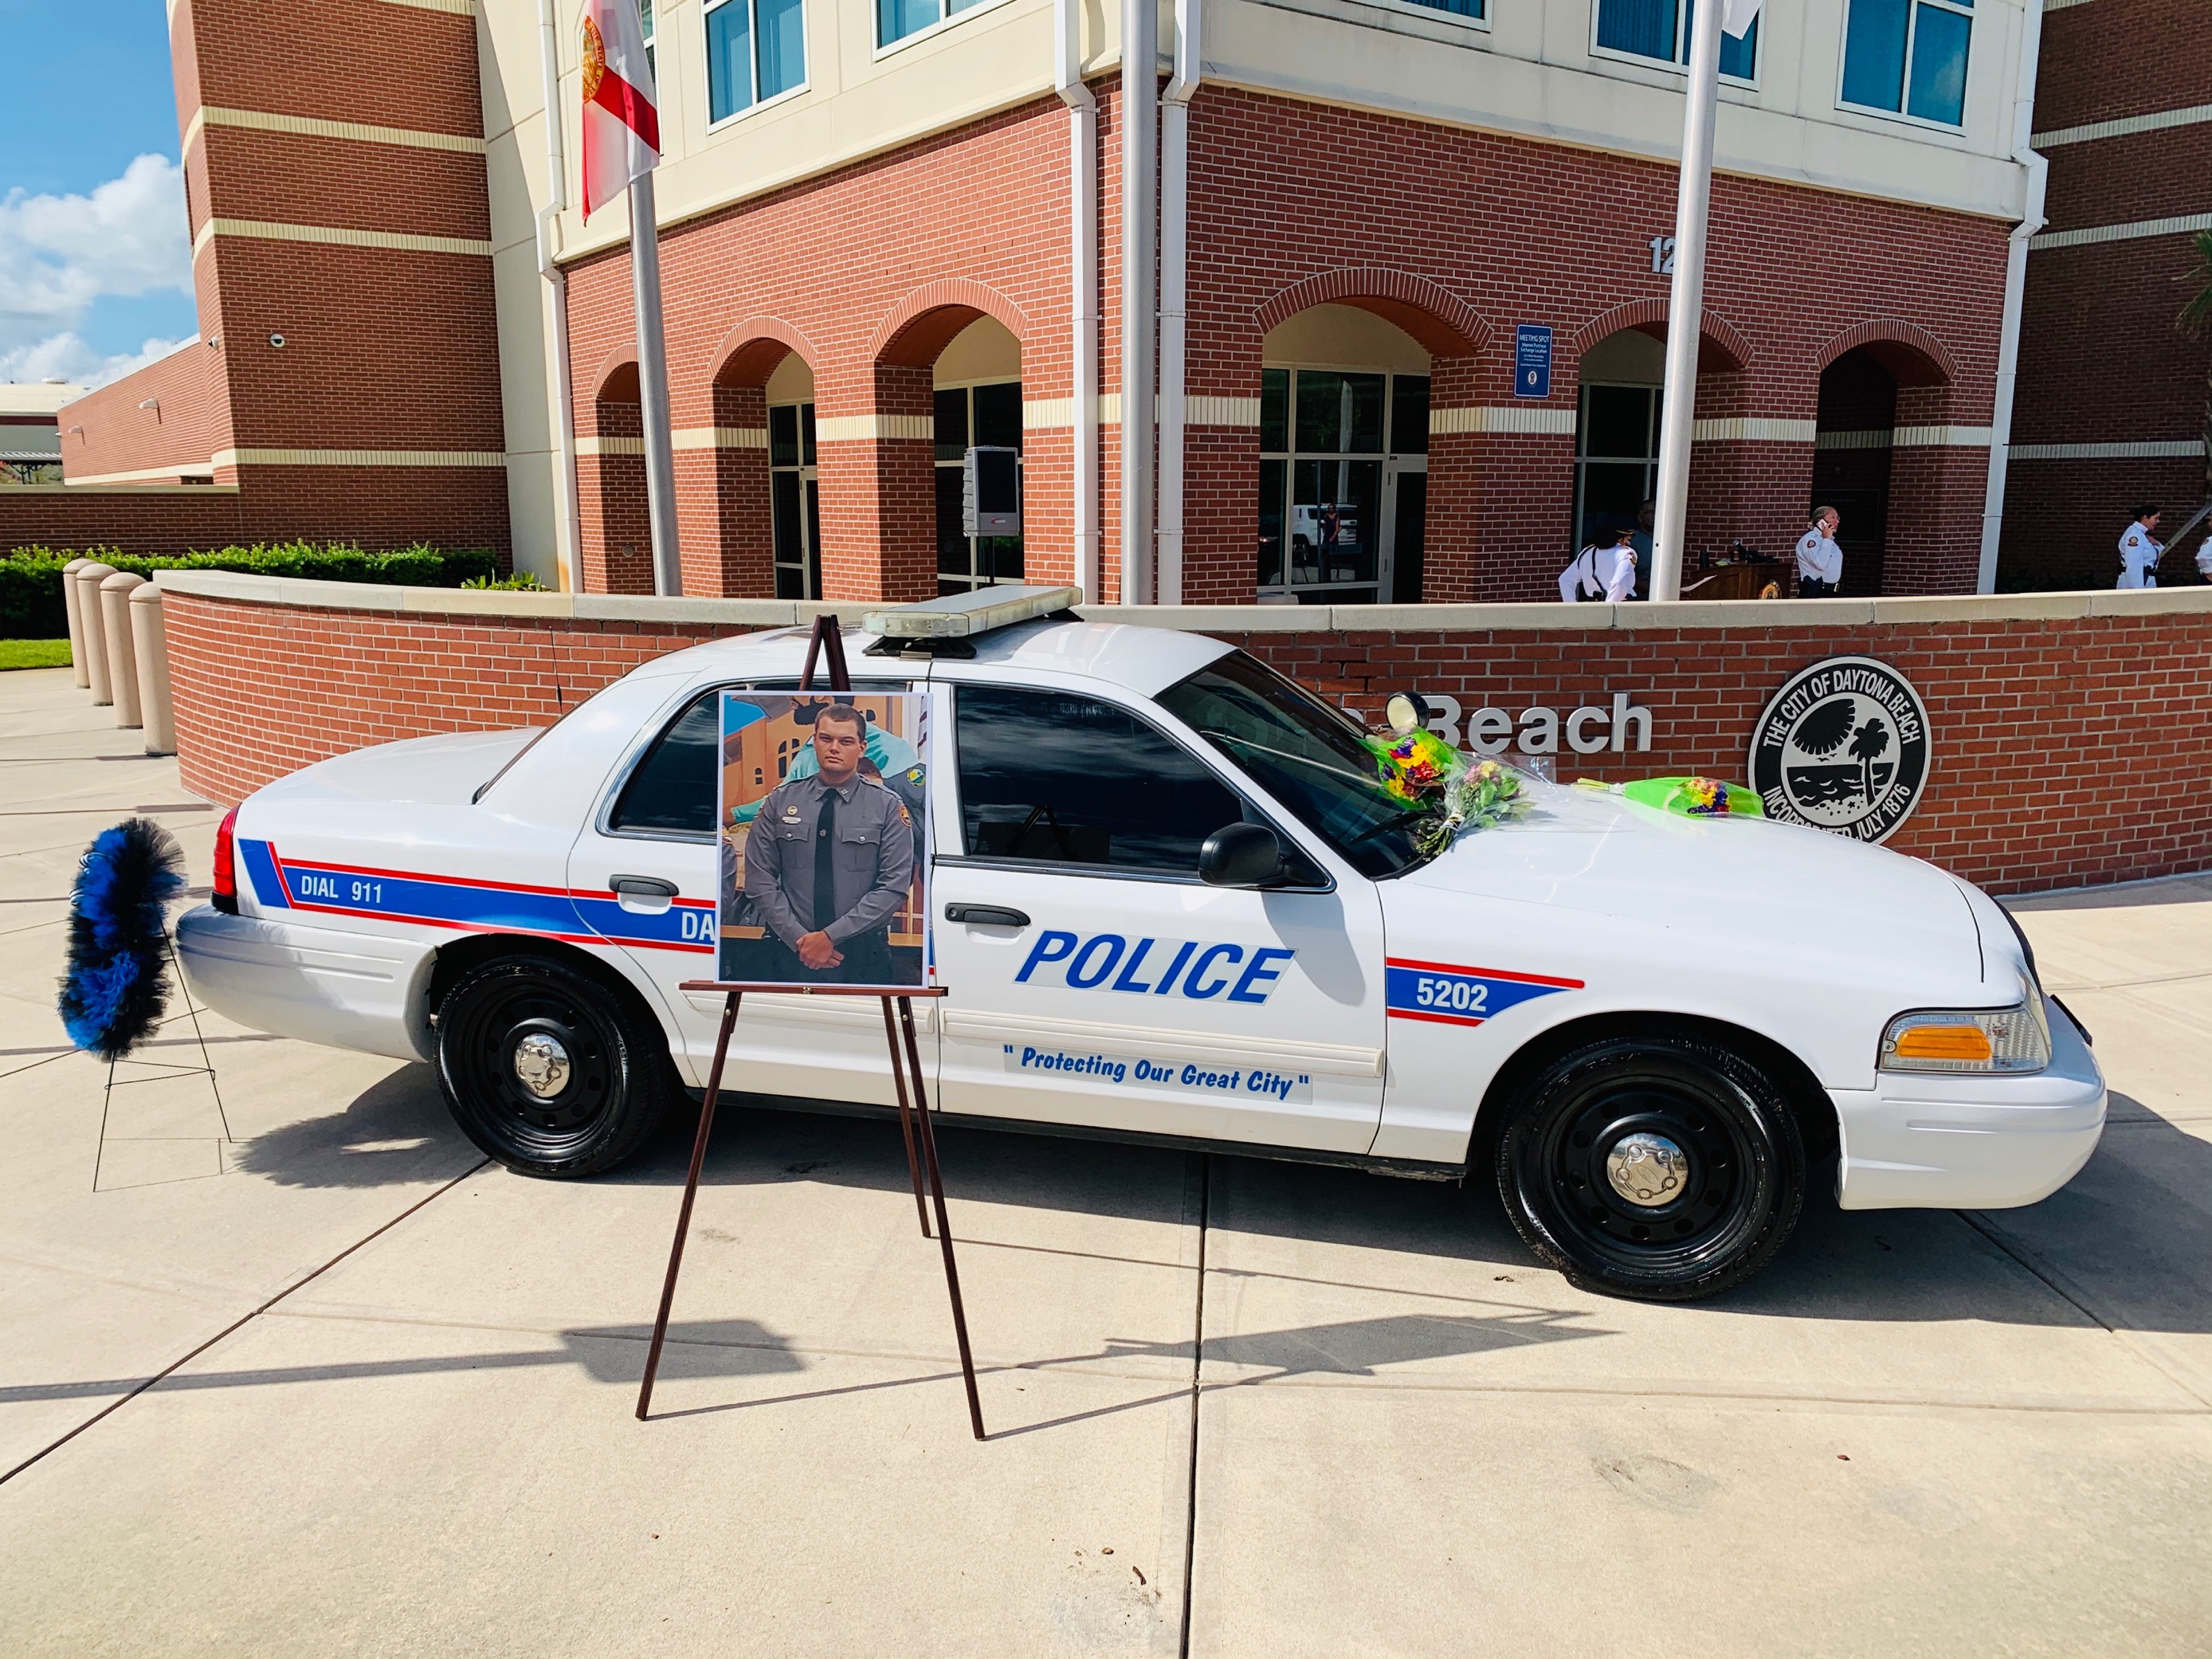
x,y
906,1071
164,1071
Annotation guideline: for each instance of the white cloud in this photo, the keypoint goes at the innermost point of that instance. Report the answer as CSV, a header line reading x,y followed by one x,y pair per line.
x,y
58,255
66,357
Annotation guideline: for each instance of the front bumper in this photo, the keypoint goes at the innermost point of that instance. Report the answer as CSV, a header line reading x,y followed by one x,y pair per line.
x,y
1928,1140
346,990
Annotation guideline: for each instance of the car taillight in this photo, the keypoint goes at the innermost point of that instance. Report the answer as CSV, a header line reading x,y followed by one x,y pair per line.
x,y
225,895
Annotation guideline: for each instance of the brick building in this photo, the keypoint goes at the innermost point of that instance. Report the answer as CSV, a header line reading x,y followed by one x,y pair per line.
x,y
891,229
2112,406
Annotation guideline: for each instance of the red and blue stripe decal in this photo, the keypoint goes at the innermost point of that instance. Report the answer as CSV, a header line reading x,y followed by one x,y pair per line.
x,y
577,916
1451,995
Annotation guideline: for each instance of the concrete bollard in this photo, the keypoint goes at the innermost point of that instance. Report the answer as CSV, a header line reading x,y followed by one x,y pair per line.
x,y
88,579
122,654
76,621
151,636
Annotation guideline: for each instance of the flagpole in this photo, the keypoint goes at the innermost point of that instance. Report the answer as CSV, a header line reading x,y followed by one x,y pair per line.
x,y
1685,306
652,388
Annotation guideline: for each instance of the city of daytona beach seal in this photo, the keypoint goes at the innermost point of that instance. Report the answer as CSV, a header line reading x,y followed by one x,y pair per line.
x,y
1842,746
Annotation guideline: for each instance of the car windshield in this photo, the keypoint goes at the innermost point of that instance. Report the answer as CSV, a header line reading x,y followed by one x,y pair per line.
x,y
1307,755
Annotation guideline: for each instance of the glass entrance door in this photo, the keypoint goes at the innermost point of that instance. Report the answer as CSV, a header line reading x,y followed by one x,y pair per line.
x,y
794,500
1326,437
985,415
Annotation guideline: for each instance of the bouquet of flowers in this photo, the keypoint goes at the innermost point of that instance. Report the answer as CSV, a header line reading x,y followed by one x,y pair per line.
x,y
1421,769
1480,796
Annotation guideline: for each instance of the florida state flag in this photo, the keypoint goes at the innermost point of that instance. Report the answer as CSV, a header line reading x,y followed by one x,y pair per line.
x,y
622,131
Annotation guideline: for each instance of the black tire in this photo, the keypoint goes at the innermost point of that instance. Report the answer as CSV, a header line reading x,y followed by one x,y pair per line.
x,y
615,1090
1701,1225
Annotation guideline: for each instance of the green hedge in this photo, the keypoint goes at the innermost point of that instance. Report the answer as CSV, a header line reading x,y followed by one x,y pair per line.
x,y
31,607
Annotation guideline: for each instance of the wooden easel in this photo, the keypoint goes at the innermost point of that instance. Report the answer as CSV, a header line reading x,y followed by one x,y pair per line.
x,y
906,1068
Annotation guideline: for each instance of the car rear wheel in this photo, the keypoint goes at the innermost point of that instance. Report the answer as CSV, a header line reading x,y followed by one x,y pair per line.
x,y
1659,1168
546,1070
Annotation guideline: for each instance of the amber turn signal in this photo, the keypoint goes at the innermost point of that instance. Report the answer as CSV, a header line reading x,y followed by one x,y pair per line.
x,y
1968,1042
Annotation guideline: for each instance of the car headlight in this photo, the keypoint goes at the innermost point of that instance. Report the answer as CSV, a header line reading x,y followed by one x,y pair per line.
x,y
2016,1039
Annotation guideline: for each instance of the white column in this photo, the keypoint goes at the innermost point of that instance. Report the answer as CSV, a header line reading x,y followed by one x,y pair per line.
x,y
1140,54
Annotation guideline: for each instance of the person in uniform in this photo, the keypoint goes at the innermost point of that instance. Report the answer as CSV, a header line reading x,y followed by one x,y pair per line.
x,y
1819,560
828,860
2139,552
1602,572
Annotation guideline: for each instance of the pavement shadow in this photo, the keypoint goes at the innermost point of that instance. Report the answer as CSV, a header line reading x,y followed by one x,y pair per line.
x,y
608,1353
392,1132
2127,1243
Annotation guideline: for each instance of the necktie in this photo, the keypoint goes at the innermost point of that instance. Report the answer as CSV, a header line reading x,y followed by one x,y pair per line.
x,y
826,862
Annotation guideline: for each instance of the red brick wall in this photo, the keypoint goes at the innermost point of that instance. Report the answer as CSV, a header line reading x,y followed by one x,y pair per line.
x,y
1284,195
263,689
385,349
2100,361
135,517
192,422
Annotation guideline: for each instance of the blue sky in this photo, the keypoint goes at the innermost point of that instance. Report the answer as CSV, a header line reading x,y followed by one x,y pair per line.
x,y
94,270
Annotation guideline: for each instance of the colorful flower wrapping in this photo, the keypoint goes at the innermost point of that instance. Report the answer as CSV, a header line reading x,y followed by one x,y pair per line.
x,y
1412,765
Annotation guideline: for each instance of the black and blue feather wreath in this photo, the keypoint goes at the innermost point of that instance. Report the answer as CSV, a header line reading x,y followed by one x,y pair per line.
x,y
117,988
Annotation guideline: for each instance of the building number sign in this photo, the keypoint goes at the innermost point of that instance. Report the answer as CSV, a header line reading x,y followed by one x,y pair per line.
x,y
1663,255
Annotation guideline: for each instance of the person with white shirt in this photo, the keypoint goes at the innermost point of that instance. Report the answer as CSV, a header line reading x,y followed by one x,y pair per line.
x,y
2139,552
1819,560
1602,572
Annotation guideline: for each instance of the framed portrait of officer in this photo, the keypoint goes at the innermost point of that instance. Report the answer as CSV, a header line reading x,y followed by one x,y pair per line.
x,y
822,837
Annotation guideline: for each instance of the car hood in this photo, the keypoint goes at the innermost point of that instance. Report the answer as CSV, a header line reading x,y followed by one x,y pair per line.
x,y
1715,880
447,769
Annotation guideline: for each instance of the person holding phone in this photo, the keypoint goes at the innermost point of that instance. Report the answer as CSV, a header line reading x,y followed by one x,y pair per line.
x,y
1819,560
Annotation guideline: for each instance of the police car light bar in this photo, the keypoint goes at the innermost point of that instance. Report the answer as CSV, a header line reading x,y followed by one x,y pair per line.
x,y
959,616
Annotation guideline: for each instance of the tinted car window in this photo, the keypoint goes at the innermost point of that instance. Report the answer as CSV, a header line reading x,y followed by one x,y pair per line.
x,y
673,786
1055,778
672,789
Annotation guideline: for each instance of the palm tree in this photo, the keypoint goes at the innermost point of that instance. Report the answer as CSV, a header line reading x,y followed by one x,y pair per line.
x,y
1868,742
2196,320
1822,731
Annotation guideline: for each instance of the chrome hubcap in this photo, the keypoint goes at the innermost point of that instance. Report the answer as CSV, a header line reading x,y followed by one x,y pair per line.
x,y
1647,1170
541,1065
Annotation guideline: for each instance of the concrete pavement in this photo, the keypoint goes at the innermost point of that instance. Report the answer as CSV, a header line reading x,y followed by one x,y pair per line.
x,y
1238,1408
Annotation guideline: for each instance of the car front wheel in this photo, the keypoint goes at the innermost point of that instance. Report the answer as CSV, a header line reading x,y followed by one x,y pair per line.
x,y
546,1070
1659,1168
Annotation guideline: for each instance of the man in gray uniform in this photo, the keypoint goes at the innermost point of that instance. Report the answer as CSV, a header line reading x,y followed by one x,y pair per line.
x,y
828,862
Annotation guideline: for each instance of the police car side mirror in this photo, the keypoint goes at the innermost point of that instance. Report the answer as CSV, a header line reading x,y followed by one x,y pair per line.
x,y
1241,855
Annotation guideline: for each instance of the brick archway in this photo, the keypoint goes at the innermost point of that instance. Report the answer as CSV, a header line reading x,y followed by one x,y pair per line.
x,y
749,353
1721,349
1912,355
920,326
1443,322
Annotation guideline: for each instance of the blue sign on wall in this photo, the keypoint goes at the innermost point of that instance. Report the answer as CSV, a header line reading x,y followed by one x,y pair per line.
x,y
1532,361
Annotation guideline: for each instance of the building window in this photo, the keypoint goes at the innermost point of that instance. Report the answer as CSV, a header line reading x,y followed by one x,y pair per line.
x,y
755,49
1337,450
794,497
897,19
985,415
1616,458
645,32
1660,29
1909,56
1456,8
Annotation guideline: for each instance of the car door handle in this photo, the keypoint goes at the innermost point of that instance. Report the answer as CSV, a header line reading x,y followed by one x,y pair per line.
x,y
642,886
985,915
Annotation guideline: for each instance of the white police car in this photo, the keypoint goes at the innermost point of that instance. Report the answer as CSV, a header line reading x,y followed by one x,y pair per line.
x,y
1174,905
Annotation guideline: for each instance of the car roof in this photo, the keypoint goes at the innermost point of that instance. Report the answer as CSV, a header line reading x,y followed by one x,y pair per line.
x,y
1144,661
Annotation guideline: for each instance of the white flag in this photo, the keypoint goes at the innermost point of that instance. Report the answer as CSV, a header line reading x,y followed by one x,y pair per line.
x,y
622,129
1737,17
